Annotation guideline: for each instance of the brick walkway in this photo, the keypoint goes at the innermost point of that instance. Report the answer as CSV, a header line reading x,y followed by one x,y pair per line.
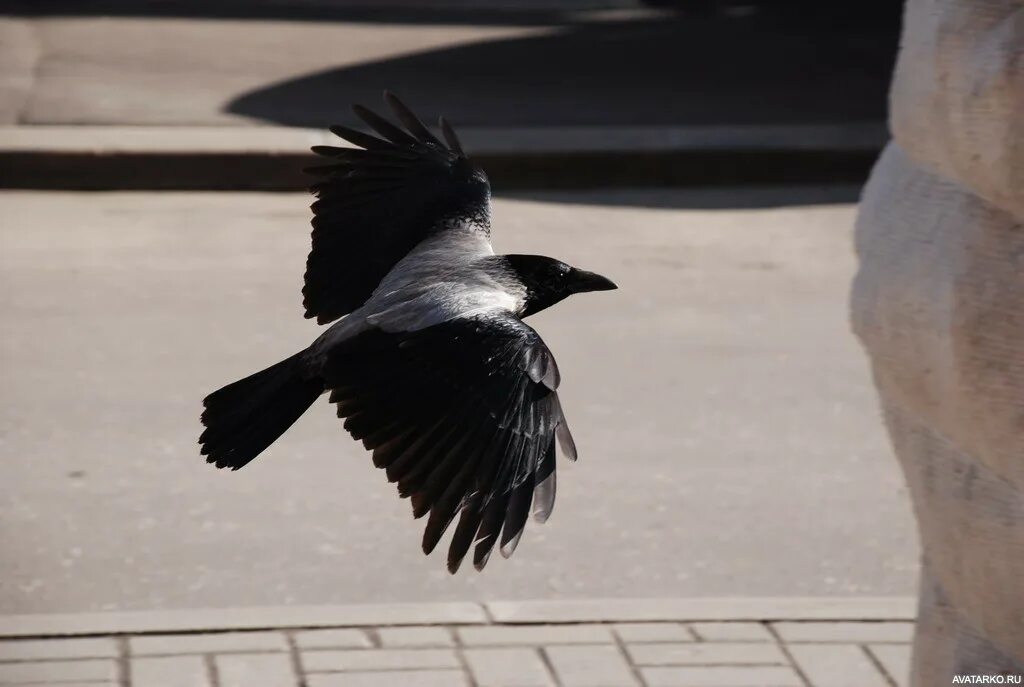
x,y
615,643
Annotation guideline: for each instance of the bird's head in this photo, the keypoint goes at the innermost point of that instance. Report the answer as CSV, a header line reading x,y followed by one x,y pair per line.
x,y
548,281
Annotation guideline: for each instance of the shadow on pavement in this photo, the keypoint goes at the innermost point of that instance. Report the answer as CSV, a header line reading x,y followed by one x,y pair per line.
x,y
712,198
699,70
465,12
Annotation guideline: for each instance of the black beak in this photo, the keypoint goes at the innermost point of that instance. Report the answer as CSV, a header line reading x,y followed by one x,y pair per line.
x,y
583,281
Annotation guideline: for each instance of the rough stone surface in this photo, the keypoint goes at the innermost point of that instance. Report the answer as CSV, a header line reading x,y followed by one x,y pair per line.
x,y
934,303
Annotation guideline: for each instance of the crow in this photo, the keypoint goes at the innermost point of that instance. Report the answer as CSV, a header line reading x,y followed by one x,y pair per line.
x,y
431,365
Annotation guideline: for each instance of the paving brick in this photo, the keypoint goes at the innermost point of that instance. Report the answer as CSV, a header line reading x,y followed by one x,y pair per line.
x,y
410,637
91,683
535,635
87,670
732,632
332,639
28,649
895,658
169,671
721,676
378,659
652,632
403,678
836,665
246,670
590,666
703,653
229,642
507,668
845,632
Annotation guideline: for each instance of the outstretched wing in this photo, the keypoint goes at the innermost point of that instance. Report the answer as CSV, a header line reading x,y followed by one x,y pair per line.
x,y
377,201
464,416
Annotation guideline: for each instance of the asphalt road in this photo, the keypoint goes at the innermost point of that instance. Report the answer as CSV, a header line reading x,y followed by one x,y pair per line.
x,y
729,437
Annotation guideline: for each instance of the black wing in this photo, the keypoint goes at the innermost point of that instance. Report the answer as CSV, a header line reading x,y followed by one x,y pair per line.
x,y
464,416
378,201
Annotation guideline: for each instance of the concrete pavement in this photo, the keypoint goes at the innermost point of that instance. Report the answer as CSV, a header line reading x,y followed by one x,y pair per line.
x,y
169,97
651,642
628,69
729,436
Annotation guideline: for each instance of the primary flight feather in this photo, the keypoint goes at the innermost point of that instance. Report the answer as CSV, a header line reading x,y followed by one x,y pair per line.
x,y
430,365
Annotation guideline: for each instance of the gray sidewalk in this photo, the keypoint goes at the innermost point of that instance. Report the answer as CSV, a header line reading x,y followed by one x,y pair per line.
x,y
753,642
728,432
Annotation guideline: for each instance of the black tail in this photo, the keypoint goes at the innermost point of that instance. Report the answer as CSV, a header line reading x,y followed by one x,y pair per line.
x,y
244,418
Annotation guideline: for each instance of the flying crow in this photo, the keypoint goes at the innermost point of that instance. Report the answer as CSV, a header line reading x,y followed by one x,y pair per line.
x,y
431,365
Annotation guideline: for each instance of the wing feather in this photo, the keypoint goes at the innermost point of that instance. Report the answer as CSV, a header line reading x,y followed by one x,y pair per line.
x,y
356,137
377,202
464,416
410,120
449,135
384,127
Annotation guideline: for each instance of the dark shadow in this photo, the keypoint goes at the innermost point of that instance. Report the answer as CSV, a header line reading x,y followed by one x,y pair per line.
x,y
789,63
699,70
502,12
712,198
356,11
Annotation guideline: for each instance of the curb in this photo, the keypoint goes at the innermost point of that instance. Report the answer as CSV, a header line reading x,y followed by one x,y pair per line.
x,y
272,158
864,609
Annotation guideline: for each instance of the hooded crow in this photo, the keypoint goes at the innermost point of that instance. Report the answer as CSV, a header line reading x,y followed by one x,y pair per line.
x,y
431,365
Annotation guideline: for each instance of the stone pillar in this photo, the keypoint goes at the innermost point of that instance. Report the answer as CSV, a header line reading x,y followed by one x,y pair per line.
x,y
938,304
